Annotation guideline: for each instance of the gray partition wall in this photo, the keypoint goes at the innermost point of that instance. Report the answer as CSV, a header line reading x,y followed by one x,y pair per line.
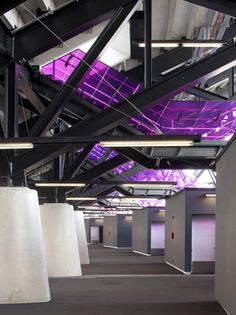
x,y
141,229
225,277
117,231
184,210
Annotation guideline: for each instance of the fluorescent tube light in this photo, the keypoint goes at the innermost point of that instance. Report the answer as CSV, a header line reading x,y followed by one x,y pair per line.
x,y
93,208
159,45
147,143
81,198
59,184
129,208
202,45
148,185
133,200
173,68
210,195
15,146
184,43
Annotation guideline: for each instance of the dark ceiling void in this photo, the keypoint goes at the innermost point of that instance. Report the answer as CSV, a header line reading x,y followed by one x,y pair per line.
x,y
67,22
7,5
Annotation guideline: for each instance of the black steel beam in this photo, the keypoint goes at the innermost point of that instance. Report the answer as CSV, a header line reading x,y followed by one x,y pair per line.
x,y
206,95
81,140
231,83
123,191
147,6
25,126
138,157
222,60
5,46
19,180
63,97
4,165
77,107
44,154
186,163
66,22
98,189
32,97
4,168
6,5
162,63
224,6
102,168
78,162
11,100
48,89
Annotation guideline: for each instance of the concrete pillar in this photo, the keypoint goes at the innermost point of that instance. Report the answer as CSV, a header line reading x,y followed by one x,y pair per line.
x,y
23,269
82,240
60,239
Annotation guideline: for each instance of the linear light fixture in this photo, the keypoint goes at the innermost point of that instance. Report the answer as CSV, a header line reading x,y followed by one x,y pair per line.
x,y
183,43
210,195
149,185
16,146
129,208
146,143
81,198
132,199
160,44
59,184
201,45
93,208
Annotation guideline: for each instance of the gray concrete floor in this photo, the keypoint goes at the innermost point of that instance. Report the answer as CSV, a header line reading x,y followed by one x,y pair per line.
x,y
111,261
140,294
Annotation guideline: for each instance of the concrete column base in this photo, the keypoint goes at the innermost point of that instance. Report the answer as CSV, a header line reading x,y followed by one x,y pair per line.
x,y
23,269
60,239
81,234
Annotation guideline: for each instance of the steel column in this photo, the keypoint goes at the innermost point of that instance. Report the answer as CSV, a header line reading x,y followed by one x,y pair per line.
x,y
148,42
11,100
231,82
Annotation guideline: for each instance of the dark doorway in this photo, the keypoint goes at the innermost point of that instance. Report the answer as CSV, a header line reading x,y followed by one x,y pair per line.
x,y
100,234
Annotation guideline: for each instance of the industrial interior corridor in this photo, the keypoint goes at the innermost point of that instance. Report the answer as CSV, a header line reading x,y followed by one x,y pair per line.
x,y
119,282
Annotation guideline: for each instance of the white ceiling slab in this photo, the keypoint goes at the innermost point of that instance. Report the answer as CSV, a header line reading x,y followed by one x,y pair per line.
x,y
12,19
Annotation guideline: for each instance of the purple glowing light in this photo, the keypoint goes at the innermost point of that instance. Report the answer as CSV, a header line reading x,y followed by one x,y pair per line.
x,y
184,178
100,85
213,120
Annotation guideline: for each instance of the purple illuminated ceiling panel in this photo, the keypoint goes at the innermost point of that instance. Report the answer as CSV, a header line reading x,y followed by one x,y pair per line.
x,y
100,85
184,178
213,120
105,87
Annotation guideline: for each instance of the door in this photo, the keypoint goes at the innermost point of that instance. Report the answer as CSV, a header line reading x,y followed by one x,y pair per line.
x,y
94,234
